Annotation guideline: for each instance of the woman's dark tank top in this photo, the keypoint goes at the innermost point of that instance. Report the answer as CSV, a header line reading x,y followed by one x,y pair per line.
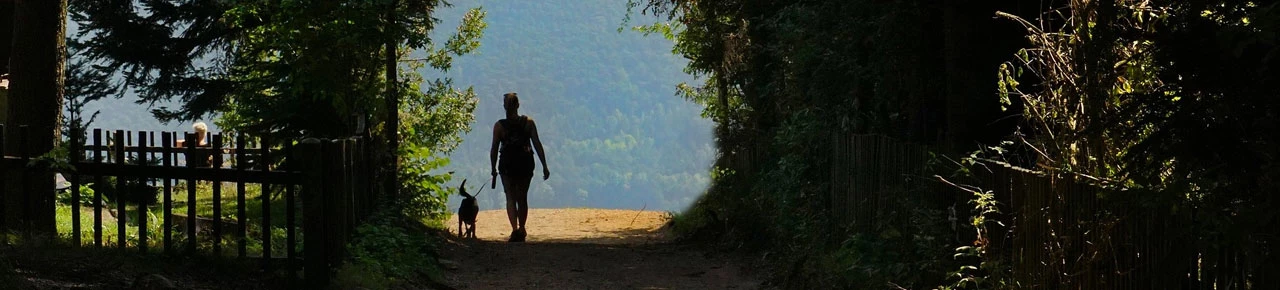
x,y
516,137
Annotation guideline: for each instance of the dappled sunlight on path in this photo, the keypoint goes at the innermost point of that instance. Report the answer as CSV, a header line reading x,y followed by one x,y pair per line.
x,y
577,225
587,249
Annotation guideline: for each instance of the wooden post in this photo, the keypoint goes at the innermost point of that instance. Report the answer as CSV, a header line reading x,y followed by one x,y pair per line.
x,y
242,248
190,147
166,140
76,152
216,150
121,214
97,193
264,161
24,220
335,205
291,207
143,210
310,160
348,195
4,183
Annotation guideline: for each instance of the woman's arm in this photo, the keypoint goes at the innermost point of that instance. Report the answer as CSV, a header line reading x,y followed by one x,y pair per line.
x,y
537,144
493,148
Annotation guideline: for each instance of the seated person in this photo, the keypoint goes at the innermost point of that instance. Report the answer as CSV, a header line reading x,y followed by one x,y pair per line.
x,y
196,157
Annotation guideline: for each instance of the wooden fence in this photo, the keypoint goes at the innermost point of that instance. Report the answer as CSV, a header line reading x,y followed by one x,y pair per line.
x,y
318,190
1057,233
1065,234
876,180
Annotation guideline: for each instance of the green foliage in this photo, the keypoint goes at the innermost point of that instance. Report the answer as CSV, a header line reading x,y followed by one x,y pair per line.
x,y
785,78
1176,99
83,85
424,195
387,251
86,195
980,268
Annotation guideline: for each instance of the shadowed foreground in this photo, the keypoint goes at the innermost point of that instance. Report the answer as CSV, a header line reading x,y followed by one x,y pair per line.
x,y
586,249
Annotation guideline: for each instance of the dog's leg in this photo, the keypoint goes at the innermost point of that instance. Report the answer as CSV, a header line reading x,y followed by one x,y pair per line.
x,y
460,229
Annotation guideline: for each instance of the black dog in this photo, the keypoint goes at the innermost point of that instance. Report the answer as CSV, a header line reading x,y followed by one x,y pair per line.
x,y
467,212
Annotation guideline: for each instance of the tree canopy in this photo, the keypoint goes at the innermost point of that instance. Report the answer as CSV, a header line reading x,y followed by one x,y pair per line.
x,y
291,67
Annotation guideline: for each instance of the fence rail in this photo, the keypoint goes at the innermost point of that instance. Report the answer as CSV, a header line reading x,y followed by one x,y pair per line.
x,y
265,199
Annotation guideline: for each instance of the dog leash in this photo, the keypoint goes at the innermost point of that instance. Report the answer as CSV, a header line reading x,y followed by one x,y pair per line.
x,y
481,190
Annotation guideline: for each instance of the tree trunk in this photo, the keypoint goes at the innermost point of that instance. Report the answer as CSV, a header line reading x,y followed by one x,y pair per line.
x,y
6,37
970,75
35,98
393,107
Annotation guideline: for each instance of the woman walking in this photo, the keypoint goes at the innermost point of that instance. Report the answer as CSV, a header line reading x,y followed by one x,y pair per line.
x,y
516,137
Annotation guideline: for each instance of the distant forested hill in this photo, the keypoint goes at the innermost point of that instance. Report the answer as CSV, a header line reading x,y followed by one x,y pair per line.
x,y
123,114
615,133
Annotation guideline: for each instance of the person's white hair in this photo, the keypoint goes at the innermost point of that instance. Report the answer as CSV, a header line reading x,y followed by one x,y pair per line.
x,y
200,127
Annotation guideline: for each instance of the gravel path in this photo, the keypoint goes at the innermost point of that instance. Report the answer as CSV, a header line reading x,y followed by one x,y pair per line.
x,y
587,249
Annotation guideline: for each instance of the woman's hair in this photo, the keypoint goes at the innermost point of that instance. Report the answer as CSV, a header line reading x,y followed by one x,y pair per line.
x,y
200,127
510,101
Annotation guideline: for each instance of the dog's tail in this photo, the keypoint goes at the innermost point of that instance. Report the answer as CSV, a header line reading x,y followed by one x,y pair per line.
x,y
462,189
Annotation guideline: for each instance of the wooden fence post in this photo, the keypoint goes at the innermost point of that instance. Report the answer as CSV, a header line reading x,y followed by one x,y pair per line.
x,y
316,261
189,146
291,205
24,220
264,161
217,195
335,200
144,204
243,228
121,215
4,184
97,192
76,152
166,143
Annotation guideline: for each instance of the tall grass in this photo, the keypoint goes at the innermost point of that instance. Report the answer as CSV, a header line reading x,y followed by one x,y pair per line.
x,y
203,202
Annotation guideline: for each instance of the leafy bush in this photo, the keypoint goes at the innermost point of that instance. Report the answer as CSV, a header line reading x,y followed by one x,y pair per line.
x,y
423,195
388,250
86,195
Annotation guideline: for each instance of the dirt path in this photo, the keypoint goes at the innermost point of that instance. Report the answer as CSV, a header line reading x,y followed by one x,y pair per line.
x,y
587,249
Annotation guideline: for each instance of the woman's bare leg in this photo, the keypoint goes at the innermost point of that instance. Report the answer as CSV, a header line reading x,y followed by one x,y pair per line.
x,y
522,198
510,188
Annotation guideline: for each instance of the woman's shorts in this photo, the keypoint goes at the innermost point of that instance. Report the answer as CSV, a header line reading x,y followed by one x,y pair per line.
x,y
516,166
